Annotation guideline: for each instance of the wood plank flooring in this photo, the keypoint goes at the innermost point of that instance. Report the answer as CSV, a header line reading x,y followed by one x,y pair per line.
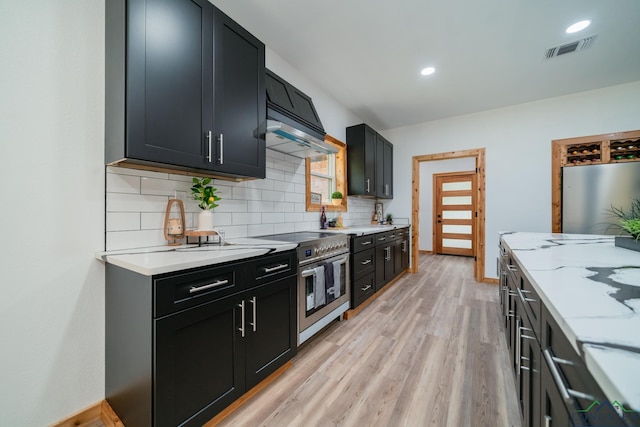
x,y
428,352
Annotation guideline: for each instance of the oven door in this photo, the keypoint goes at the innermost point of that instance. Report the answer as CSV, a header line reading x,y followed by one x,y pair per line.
x,y
317,295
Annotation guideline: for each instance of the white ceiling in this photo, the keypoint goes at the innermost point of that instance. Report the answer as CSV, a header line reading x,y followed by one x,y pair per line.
x,y
368,54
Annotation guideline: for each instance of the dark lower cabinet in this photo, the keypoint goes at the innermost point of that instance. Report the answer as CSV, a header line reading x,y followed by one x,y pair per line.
x,y
553,385
181,347
376,259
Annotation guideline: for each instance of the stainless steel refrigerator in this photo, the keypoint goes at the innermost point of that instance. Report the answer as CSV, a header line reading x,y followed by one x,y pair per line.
x,y
589,192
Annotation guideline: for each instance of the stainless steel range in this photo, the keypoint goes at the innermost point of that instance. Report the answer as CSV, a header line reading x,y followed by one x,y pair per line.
x,y
324,291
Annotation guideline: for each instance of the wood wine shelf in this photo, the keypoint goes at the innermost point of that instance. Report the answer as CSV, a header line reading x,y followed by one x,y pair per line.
x,y
583,151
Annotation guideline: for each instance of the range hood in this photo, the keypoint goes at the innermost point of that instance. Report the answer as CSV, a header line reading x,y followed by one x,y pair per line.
x,y
293,125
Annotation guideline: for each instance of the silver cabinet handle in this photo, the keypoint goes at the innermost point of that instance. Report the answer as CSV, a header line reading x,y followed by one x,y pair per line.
x,y
210,155
276,268
368,242
222,149
512,268
195,289
386,189
366,288
404,246
518,344
388,253
382,239
368,189
547,421
254,323
241,328
566,393
522,297
365,262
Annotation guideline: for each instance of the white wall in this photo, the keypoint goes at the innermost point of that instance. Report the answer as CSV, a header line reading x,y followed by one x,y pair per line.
x,y
52,177
518,152
427,169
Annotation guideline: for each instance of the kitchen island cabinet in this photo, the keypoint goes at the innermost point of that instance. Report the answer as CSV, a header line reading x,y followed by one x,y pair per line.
x,y
189,99
182,346
567,315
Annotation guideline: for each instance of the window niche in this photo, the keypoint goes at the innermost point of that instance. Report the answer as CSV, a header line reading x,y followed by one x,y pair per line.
x,y
325,175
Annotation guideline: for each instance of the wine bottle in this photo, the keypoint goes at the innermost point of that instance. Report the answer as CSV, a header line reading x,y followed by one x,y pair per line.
x,y
323,220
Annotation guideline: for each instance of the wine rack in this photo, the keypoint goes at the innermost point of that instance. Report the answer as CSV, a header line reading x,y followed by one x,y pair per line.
x,y
584,154
625,150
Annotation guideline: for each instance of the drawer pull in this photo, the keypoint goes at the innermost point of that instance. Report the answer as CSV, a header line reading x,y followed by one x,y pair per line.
x,y
566,393
512,268
381,239
254,323
547,421
195,289
366,288
523,298
276,268
368,242
365,262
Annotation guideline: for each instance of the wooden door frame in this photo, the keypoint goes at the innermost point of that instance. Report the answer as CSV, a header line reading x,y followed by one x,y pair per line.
x,y
479,155
434,208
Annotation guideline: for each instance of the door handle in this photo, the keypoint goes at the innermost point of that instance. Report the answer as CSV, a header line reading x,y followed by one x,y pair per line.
x,y
254,323
241,328
221,149
210,155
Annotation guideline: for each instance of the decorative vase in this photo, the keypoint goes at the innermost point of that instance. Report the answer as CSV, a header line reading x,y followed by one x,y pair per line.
x,y
205,220
627,242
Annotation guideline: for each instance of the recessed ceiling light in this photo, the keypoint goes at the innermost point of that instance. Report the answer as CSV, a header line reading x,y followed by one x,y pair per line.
x,y
427,71
578,26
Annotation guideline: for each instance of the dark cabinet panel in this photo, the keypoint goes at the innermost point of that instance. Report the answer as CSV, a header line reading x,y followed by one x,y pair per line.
x,y
168,81
185,89
199,363
270,322
363,288
240,100
370,157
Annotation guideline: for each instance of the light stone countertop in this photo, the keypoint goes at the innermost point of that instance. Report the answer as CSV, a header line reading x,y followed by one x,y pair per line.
x,y
592,290
166,259
362,230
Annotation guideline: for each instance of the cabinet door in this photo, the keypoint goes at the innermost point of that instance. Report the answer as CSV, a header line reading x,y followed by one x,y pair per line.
x,y
529,367
384,168
169,64
199,363
361,155
405,251
240,101
270,322
554,413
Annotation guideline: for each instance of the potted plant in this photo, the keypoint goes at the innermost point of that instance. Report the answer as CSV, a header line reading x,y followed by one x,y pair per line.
x,y
206,196
629,222
389,219
336,198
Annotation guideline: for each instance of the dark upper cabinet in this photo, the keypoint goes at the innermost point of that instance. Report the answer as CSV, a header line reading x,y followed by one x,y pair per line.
x,y
370,157
184,89
240,100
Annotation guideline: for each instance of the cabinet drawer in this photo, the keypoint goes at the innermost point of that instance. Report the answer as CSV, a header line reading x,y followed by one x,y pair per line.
x,y
563,359
361,243
362,289
363,263
273,267
381,238
176,292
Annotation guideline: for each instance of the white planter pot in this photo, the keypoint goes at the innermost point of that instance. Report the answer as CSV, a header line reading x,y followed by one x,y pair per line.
x,y
205,220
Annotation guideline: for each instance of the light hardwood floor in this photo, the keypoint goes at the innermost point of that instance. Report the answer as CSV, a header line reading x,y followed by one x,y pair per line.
x,y
428,352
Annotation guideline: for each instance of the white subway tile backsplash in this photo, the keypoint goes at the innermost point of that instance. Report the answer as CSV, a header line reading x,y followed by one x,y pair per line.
x,y
122,221
260,206
136,202
246,218
163,187
121,202
118,183
273,217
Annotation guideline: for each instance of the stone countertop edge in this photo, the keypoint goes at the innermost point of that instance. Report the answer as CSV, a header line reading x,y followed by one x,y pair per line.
x,y
614,380
363,230
167,259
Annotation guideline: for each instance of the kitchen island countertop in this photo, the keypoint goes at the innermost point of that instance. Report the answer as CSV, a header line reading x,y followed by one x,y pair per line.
x,y
592,290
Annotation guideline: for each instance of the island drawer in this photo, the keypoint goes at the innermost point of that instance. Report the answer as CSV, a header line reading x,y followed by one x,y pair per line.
x,y
530,301
177,291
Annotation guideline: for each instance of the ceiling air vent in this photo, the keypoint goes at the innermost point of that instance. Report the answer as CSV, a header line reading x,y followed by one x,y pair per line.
x,y
569,47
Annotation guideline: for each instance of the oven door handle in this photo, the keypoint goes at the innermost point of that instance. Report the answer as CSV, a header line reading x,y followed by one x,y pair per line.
x,y
312,271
